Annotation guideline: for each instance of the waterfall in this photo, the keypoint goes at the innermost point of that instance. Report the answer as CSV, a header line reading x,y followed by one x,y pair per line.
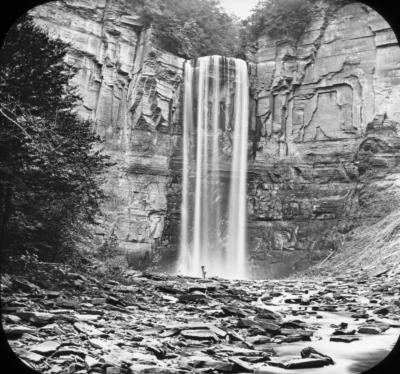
x,y
214,151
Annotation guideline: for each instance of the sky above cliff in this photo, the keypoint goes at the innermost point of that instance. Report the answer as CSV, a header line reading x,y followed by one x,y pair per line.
x,y
240,8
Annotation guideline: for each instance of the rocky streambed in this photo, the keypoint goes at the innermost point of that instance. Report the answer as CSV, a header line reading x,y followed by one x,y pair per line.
x,y
66,322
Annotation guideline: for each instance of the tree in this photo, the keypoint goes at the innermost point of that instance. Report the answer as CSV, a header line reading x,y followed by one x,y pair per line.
x,y
284,19
191,28
49,166
34,72
279,18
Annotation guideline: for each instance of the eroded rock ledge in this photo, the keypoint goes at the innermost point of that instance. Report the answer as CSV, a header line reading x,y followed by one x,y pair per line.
x,y
316,105
131,90
318,110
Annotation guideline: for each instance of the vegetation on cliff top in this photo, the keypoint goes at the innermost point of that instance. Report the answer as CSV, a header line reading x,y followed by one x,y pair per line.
x,y
193,28
278,18
49,168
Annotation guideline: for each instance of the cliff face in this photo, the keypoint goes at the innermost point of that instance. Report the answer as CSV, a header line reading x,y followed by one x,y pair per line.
x,y
130,89
312,103
319,112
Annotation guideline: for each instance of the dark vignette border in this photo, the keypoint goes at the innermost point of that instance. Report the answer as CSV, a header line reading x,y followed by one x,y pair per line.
x,y
13,9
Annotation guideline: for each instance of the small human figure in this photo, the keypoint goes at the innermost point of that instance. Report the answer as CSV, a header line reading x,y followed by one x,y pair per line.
x,y
203,271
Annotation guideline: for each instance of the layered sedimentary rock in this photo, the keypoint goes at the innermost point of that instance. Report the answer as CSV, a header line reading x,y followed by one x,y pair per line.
x,y
312,102
373,245
130,89
323,129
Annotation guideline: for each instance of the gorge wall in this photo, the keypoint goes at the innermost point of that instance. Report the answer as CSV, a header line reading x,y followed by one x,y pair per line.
x,y
131,90
313,102
323,112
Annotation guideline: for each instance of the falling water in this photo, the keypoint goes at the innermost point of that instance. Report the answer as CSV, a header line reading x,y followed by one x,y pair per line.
x,y
213,211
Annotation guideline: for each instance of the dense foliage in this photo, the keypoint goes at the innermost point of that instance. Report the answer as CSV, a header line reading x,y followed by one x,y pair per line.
x,y
284,19
191,28
49,168
279,18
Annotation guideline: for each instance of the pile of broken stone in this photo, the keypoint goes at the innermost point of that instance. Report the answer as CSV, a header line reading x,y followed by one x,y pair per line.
x,y
158,323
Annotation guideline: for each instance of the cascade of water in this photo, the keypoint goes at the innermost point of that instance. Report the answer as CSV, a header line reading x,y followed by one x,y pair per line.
x,y
237,196
215,125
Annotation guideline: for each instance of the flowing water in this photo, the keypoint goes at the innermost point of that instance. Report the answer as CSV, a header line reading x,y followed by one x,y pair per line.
x,y
213,211
215,126
350,358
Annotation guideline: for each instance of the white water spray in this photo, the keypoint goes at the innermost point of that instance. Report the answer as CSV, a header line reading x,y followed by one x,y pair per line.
x,y
215,127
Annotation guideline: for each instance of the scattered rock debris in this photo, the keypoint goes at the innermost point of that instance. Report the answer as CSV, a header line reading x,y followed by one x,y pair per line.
x,y
157,323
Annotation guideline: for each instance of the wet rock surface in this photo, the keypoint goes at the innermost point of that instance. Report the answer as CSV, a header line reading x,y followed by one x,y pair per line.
x,y
156,323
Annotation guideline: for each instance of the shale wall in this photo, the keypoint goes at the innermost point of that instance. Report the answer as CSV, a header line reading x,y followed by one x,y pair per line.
x,y
324,130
